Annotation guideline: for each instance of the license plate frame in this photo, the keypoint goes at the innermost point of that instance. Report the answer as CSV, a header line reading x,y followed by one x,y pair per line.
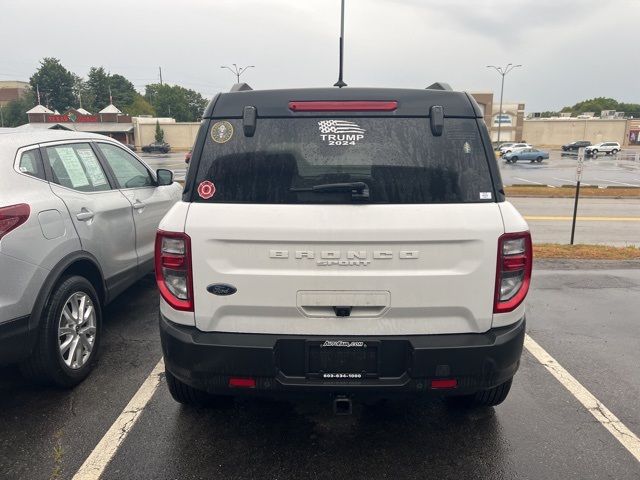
x,y
342,360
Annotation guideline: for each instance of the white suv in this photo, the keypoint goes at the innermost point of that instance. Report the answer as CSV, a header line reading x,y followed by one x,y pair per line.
x,y
513,147
345,242
603,147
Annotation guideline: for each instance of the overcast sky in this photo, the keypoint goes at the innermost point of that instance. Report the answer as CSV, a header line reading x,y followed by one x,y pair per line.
x,y
571,49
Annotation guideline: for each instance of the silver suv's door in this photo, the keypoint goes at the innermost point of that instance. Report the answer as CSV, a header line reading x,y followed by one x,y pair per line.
x,y
149,201
100,213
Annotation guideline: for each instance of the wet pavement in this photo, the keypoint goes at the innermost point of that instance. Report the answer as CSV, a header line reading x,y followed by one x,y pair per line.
x,y
585,317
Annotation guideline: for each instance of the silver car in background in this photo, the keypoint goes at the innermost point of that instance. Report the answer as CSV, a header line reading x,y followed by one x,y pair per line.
x,y
78,217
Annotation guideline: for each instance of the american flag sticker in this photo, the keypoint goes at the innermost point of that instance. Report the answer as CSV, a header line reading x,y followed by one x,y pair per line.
x,y
340,132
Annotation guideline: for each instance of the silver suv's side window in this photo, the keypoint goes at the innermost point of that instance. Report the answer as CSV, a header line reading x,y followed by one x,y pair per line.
x,y
31,164
75,166
129,172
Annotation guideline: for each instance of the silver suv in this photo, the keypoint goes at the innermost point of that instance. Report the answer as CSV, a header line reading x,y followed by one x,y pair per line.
x,y
78,215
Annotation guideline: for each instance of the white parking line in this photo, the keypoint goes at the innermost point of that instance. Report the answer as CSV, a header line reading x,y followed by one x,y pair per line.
x,y
620,183
602,414
102,454
565,180
528,181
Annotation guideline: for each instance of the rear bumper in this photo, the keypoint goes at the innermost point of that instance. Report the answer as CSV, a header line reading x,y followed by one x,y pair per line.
x,y
13,340
279,363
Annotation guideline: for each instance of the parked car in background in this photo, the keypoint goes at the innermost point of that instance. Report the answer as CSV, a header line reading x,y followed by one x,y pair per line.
x,y
187,156
161,147
574,146
504,145
131,146
513,147
531,154
78,216
603,147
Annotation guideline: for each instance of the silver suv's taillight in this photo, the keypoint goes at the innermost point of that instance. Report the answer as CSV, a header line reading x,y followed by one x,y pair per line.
x,y
173,269
513,272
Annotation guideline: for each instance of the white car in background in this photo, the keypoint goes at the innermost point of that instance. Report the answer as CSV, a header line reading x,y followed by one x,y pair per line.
x,y
513,147
603,147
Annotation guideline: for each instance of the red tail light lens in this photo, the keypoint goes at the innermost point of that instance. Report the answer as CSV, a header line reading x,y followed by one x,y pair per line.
x,y
513,273
444,383
173,269
237,382
12,217
346,106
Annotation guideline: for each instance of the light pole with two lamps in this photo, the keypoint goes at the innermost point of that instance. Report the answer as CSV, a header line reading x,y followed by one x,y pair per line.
x,y
237,71
503,71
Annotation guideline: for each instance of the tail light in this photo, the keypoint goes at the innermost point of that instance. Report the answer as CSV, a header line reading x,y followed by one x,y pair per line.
x,y
513,273
12,217
173,269
344,106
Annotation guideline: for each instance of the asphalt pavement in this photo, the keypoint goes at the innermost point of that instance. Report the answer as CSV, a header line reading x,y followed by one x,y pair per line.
x,y
584,315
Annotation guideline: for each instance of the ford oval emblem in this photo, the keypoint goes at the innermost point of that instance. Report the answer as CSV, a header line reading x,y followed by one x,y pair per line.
x,y
222,289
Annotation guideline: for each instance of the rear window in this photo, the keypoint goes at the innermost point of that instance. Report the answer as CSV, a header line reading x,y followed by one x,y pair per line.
x,y
398,160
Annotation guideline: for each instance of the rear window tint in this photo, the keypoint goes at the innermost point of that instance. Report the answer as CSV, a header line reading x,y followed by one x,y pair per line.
x,y
398,159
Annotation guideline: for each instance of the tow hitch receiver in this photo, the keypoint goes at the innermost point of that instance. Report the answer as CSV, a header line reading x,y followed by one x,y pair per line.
x,y
342,405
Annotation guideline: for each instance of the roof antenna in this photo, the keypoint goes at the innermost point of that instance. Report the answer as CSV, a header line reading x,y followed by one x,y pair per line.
x,y
340,83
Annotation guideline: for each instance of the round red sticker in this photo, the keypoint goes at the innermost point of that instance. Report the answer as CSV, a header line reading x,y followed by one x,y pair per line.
x,y
206,189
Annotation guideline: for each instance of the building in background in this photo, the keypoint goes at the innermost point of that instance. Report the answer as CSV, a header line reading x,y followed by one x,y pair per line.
x,y
510,120
11,90
109,121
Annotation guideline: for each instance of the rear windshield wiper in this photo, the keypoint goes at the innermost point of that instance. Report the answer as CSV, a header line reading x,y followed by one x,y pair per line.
x,y
359,190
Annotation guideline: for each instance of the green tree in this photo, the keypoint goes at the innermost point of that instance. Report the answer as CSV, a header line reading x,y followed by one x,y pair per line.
x,y
139,106
174,101
56,84
598,104
99,81
14,113
159,133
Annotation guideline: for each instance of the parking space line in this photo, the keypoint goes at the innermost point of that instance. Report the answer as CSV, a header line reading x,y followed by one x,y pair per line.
x,y
565,180
104,451
621,183
528,181
602,414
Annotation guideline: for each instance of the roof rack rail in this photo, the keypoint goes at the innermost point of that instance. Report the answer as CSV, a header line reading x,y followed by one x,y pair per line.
x,y
240,87
440,86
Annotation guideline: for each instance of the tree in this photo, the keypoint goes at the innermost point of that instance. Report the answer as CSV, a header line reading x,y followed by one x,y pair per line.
x,y
55,83
99,81
14,113
139,106
174,101
598,104
159,133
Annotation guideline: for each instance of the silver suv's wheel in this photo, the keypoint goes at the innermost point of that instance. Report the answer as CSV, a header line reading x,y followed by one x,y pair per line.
x,y
77,330
68,340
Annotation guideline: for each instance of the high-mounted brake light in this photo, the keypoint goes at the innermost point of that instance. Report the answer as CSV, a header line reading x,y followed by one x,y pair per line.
x,y
12,217
513,272
173,269
344,106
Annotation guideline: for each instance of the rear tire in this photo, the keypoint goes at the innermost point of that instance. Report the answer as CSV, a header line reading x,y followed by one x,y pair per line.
x,y
614,151
484,398
594,152
47,363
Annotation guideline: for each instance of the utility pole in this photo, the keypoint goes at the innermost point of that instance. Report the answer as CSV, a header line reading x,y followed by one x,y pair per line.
x,y
237,71
160,70
503,71
340,83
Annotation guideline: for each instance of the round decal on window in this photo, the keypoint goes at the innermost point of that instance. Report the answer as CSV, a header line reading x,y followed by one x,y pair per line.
x,y
206,189
221,132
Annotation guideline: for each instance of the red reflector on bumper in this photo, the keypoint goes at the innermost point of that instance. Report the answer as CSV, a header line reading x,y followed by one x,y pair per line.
x,y
242,382
444,383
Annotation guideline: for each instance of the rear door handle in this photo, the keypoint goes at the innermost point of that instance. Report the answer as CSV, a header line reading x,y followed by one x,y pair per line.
x,y
138,205
84,215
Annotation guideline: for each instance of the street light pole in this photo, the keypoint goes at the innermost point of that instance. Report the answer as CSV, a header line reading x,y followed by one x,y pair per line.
x,y
503,73
237,71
